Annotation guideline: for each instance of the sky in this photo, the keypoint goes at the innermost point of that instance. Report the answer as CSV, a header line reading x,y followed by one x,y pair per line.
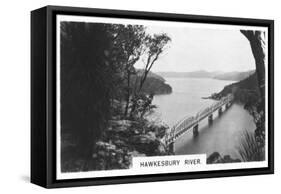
x,y
193,49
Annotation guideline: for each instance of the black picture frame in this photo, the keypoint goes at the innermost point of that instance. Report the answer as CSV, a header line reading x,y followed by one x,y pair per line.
x,y
43,95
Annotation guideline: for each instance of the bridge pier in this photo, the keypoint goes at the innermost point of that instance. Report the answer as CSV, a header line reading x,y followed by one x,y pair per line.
x,y
195,130
210,119
193,122
220,111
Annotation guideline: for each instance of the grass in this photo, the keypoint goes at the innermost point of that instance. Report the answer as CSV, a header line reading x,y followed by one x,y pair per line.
x,y
250,149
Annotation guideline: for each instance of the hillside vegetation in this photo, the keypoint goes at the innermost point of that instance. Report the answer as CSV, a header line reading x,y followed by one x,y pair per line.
x,y
243,91
103,111
154,84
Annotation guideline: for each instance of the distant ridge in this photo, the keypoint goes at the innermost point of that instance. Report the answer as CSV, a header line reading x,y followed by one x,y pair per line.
x,y
233,76
236,76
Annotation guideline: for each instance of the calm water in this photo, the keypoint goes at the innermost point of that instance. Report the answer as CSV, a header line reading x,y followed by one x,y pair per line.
x,y
186,100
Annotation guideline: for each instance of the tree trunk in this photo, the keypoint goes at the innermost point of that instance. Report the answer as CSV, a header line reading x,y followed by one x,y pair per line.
x,y
128,94
256,42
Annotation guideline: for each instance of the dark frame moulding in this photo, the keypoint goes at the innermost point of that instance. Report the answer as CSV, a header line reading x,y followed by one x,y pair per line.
x,y
43,95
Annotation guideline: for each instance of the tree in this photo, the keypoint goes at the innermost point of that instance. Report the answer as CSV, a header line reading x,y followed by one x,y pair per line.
x,y
90,75
256,39
131,41
97,62
257,110
143,105
155,46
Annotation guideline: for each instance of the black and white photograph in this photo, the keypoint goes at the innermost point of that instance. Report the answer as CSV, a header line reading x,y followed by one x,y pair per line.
x,y
140,97
143,97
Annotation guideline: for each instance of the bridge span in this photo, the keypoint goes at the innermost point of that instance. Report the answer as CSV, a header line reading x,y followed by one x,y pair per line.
x,y
192,122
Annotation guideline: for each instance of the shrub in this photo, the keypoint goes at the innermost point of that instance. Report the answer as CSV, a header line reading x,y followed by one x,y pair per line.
x,y
250,149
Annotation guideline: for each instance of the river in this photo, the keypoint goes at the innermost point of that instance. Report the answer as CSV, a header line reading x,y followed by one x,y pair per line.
x,y
222,136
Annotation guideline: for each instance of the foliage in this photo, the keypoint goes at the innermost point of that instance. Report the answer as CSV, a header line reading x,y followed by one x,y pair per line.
x,y
130,40
152,85
142,104
243,91
97,64
155,46
216,158
86,77
257,108
250,149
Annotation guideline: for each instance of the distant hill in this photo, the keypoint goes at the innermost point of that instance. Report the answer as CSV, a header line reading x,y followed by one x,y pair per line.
x,y
199,74
234,76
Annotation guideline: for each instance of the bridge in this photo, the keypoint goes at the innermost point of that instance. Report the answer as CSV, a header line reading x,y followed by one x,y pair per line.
x,y
192,122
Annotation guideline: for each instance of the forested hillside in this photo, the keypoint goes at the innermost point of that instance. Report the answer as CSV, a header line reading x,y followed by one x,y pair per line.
x,y
103,110
154,83
244,90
